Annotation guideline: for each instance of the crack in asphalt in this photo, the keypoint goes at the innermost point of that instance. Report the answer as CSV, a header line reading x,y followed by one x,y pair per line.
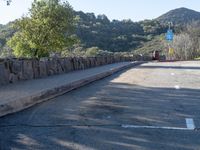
x,y
59,125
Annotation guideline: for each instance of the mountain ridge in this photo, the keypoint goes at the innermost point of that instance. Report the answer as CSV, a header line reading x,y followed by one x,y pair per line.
x,y
179,16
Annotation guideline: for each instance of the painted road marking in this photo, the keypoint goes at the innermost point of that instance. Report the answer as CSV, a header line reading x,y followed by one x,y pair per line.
x,y
172,74
177,87
189,127
155,127
190,123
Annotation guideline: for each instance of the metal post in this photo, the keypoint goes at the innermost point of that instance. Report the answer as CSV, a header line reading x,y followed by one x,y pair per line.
x,y
169,44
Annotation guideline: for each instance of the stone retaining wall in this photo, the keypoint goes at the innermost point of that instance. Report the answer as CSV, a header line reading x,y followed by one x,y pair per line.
x,y
13,70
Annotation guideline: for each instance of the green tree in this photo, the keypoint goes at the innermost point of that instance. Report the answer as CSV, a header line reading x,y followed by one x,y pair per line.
x,y
48,29
92,51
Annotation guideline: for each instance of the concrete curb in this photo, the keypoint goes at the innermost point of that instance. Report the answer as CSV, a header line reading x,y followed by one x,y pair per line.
x,y
35,98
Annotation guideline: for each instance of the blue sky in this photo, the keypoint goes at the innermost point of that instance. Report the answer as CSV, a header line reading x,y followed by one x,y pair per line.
x,y
115,9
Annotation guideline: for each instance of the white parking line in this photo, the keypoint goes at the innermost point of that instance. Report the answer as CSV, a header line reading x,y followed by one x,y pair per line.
x,y
190,123
172,74
155,127
177,87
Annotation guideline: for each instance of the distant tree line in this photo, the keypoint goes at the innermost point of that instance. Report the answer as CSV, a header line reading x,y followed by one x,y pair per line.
x,y
92,31
115,36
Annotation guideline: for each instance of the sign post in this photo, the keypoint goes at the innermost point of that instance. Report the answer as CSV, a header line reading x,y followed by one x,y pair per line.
x,y
169,38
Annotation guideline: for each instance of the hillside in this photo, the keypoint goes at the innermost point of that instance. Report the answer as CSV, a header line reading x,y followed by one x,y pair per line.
x,y
115,35
180,16
6,31
157,43
119,36
99,31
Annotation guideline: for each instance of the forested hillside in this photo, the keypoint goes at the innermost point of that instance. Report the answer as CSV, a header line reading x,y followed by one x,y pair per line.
x,y
115,35
99,31
119,36
6,31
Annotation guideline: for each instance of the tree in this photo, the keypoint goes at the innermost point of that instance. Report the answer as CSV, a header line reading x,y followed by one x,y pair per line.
x,y
187,44
48,29
183,47
92,51
8,1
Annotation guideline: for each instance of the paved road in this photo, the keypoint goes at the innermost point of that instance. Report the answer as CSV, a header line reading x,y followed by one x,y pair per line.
x,y
96,116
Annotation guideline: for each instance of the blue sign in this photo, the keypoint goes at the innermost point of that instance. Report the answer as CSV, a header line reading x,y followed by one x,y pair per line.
x,y
169,35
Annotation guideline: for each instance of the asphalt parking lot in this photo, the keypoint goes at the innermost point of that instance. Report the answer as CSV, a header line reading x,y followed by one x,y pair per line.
x,y
154,106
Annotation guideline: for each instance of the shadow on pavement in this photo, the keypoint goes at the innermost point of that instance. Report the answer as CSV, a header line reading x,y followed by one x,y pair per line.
x,y
89,118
